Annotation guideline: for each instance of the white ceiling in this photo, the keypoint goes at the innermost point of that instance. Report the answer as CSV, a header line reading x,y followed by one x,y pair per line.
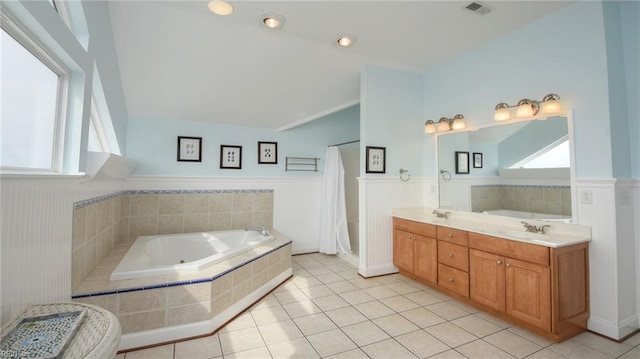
x,y
180,61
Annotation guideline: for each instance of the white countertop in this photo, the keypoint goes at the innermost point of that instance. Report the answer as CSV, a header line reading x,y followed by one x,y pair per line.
x,y
557,235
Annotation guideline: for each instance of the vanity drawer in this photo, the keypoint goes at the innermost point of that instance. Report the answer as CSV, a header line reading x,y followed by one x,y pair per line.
x,y
453,235
427,230
453,255
532,253
453,279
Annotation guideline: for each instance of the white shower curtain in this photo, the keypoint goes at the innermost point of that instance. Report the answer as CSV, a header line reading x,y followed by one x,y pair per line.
x,y
334,236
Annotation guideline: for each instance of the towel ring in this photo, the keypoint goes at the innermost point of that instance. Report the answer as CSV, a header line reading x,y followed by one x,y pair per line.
x,y
444,174
402,173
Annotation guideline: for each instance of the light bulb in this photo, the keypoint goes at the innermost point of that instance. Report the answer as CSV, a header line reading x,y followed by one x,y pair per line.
x,y
344,41
550,106
271,22
458,123
525,110
443,125
429,127
220,7
502,112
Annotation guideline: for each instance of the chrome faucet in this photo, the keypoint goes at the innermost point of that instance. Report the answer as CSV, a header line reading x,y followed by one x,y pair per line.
x,y
441,214
263,231
535,229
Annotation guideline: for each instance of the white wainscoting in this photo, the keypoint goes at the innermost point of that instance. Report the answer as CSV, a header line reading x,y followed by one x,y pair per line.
x,y
296,201
378,196
36,215
611,259
457,193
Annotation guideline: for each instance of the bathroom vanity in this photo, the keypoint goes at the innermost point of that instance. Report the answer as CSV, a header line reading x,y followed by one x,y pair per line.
x,y
539,281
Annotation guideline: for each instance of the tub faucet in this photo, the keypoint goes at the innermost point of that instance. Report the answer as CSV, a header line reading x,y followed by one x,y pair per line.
x,y
441,214
535,229
263,231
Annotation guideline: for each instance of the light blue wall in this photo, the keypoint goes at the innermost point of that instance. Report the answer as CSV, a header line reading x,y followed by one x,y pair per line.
x,y
152,143
530,139
630,19
448,144
391,105
490,159
563,53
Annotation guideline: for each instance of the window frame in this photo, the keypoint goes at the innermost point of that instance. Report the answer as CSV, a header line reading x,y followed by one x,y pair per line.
x,y
29,42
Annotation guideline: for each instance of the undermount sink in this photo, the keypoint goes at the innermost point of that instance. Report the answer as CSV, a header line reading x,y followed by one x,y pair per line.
x,y
525,235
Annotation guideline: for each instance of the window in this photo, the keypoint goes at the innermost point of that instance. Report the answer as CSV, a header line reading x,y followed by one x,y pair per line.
x,y
32,94
554,156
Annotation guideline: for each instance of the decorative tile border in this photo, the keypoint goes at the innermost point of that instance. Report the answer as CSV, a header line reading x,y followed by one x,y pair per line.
x,y
177,284
96,200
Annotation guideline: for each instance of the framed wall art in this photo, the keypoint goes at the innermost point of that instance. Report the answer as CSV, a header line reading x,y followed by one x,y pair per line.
x,y
375,161
189,149
477,160
462,162
231,157
268,153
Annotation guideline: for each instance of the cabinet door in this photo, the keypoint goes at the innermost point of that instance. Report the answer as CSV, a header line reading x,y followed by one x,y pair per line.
x,y
426,258
403,250
528,289
487,279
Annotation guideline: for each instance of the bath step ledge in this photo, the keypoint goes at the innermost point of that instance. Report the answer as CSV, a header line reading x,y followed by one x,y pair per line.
x,y
178,332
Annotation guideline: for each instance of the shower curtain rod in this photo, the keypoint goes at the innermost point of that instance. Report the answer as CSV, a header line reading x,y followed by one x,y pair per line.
x,y
344,143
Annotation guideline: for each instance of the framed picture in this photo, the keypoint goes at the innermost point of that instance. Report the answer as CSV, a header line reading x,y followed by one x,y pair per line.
x,y
477,160
375,159
231,157
189,149
268,153
462,162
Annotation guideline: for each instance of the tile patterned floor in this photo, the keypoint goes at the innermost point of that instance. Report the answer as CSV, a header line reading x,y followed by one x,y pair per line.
x,y
327,311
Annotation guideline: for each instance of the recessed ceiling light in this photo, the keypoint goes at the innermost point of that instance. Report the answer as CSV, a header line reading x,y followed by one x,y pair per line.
x,y
273,21
220,7
346,40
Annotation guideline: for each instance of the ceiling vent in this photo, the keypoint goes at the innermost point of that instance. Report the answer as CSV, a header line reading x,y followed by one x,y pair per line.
x,y
479,8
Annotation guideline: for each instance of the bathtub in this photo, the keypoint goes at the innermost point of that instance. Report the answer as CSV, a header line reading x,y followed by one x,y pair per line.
x,y
183,253
529,215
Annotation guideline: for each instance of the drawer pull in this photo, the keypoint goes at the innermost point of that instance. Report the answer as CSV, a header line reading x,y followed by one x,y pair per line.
x,y
499,261
450,255
450,235
508,265
450,280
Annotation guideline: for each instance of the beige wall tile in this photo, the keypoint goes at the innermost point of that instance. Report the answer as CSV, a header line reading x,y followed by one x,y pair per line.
x,y
170,204
241,290
260,265
123,229
90,256
276,256
171,224
221,285
220,202
108,205
142,226
144,204
142,300
108,302
79,236
188,314
91,221
220,303
263,202
125,205
243,202
241,220
242,274
137,322
101,216
196,223
196,203
260,279
77,268
536,206
188,294
552,195
101,247
552,207
263,219
219,221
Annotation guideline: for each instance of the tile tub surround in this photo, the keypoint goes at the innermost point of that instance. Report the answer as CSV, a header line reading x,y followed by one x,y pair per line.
x,y
101,223
538,199
161,302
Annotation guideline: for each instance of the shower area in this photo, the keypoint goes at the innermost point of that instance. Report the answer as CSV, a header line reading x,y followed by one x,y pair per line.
x,y
351,162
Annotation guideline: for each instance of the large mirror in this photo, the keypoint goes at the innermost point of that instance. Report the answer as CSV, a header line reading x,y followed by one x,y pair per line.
x,y
520,169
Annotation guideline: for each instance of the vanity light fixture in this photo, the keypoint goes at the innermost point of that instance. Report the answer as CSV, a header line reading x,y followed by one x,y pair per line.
x,y
445,124
220,7
346,40
273,21
528,108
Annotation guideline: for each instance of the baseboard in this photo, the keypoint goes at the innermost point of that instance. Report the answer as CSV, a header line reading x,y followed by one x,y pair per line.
x,y
610,330
350,258
178,332
377,270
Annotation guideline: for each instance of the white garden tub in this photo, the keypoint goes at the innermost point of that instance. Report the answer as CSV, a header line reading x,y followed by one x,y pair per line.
x,y
184,253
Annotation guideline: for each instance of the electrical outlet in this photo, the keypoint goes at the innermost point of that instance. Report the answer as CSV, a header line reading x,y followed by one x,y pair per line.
x,y
586,196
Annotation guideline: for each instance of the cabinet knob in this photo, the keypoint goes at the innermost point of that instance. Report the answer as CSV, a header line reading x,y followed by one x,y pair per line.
x,y
499,261
450,255
450,235
508,265
450,280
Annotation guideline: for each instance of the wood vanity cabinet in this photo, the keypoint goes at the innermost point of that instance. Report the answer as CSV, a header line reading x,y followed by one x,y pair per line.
x,y
415,249
541,288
